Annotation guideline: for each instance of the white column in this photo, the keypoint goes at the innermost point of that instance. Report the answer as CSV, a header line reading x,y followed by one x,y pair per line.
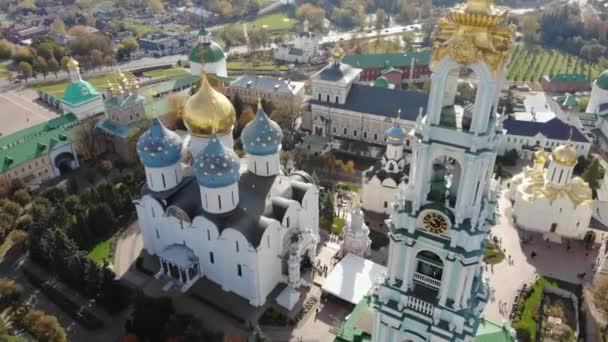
x,y
458,294
407,273
392,269
445,279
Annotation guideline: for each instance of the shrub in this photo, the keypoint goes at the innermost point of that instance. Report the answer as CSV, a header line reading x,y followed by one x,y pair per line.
x,y
379,240
10,291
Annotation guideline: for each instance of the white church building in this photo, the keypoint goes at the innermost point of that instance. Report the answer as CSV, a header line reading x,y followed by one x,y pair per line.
x,y
211,52
380,181
565,202
243,224
80,97
302,50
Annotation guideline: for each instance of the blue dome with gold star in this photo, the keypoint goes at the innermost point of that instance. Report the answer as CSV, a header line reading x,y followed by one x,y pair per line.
x,y
261,136
158,146
216,166
395,135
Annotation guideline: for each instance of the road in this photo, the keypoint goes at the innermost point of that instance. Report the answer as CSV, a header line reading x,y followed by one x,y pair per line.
x,y
130,65
370,33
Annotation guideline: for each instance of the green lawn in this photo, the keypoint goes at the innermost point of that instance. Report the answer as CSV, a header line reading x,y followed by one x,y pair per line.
x,y
265,66
3,71
527,325
347,187
165,72
274,22
338,225
57,89
102,250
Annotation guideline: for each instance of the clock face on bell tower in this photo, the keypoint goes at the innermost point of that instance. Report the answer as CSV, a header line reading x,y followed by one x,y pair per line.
x,y
435,222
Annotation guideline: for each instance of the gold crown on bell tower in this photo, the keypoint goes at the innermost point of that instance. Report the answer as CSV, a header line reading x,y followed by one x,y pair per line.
x,y
474,32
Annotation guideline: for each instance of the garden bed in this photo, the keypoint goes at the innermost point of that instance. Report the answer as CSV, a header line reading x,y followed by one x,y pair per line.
x,y
529,309
494,254
558,321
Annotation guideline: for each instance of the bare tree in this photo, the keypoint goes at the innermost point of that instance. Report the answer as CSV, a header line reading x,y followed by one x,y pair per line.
x,y
84,139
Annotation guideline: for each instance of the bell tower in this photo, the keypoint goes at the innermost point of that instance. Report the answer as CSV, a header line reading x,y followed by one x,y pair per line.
x,y
435,290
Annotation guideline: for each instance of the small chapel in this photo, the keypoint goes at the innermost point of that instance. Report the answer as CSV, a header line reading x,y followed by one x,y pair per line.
x,y
244,224
565,201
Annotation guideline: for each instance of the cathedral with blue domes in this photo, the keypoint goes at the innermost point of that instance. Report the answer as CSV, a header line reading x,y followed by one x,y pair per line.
x,y
244,224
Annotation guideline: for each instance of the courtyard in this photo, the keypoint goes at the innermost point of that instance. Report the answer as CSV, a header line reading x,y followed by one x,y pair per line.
x,y
19,111
531,259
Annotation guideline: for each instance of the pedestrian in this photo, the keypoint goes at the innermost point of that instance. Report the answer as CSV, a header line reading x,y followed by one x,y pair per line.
x,y
492,268
317,314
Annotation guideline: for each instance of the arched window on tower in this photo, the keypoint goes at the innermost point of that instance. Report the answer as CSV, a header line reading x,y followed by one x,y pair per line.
x,y
459,99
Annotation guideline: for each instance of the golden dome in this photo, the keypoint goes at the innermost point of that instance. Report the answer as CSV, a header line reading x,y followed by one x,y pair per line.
x,y
72,64
208,111
480,7
564,155
337,53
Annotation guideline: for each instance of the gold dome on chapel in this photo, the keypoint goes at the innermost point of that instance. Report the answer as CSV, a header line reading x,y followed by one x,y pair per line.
x,y
208,111
71,64
564,155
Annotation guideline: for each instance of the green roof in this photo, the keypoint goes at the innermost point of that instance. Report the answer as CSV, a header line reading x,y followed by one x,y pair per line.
x,y
383,60
129,100
78,92
602,80
489,331
381,82
351,331
212,53
569,78
33,142
569,100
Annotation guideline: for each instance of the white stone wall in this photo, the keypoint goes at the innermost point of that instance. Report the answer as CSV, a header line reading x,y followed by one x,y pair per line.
x,y
516,142
86,109
377,196
572,221
220,200
164,178
261,266
598,96
264,165
361,126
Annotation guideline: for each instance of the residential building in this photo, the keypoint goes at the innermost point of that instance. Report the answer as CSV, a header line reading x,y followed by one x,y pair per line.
x,y
566,202
193,15
398,68
526,137
302,50
342,108
166,43
39,153
242,224
250,88
562,83
80,97
435,289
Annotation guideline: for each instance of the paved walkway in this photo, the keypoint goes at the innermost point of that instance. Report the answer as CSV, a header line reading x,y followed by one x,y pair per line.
x,y
551,260
128,248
